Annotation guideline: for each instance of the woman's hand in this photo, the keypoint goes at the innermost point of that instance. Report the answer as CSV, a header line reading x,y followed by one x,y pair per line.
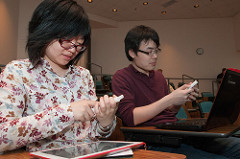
x,y
105,110
82,110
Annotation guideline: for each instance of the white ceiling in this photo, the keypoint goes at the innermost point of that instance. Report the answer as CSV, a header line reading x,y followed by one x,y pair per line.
x,y
133,10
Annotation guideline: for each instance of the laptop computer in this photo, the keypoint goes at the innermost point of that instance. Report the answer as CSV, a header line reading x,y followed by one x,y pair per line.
x,y
224,111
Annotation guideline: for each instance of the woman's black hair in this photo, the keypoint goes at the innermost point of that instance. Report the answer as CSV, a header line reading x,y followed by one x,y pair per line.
x,y
136,35
56,19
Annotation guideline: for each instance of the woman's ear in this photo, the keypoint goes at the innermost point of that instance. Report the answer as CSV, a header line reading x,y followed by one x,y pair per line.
x,y
132,53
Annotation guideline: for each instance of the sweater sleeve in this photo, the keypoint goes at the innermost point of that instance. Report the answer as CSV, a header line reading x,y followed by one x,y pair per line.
x,y
126,106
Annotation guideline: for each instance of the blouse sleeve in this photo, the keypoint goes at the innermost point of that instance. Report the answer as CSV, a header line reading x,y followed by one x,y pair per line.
x,y
17,130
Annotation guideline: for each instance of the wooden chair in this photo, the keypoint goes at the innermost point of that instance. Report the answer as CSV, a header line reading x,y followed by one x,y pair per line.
x,y
117,134
194,112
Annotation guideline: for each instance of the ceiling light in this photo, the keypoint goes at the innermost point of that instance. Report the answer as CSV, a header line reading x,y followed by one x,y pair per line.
x,y
196,5
114,10
145,3
164,12
90,1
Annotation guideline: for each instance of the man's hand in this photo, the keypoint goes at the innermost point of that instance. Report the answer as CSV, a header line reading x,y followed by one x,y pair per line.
x,y
182,94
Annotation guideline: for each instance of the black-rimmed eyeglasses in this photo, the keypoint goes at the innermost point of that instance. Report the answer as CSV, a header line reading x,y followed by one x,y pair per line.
x,y
151,52
67,44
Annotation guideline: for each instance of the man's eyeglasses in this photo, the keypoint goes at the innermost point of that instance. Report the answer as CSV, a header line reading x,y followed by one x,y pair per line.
x,y
151,52
67,44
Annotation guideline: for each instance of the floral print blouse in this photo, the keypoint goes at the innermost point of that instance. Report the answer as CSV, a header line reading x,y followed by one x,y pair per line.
x,y
35,106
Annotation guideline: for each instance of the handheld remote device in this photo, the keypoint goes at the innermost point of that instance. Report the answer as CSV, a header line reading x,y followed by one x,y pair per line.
x,y
193,84
117,99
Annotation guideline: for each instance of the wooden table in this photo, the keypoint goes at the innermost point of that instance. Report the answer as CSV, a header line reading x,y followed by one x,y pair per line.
x,y
138,154
224,131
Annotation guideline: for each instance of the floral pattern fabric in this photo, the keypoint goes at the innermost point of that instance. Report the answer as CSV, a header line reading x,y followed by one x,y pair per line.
x,y
35,105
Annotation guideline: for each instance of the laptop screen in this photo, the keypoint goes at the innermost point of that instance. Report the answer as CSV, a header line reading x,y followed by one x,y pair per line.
x,y
226,105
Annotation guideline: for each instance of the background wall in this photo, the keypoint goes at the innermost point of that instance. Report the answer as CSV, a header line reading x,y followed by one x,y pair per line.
x,y
8,30
26,8
179,40
237,31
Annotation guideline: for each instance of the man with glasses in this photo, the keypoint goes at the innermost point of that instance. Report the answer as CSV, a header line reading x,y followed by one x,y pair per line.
x,y
147,101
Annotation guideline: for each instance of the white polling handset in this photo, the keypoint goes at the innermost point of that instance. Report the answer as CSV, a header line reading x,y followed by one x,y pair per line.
x,y
117,99
193,84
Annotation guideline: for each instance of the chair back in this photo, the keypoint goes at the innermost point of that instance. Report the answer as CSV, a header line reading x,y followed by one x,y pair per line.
x,y
107,82
1,66
207,94
181,114
205,107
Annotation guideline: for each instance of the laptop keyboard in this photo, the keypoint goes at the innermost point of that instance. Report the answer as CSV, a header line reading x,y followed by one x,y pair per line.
x,y
193,125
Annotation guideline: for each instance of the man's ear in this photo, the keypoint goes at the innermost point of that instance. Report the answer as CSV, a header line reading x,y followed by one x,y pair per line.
x,y
132,53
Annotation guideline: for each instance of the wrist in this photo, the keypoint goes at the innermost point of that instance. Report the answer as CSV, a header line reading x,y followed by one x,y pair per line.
x,y
168,100
104,122
105,128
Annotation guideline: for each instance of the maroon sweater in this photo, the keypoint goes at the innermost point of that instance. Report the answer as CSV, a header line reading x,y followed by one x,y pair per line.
x,y
140,90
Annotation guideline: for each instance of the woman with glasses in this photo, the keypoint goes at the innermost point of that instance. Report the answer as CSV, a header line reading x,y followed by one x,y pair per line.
x,y
46,98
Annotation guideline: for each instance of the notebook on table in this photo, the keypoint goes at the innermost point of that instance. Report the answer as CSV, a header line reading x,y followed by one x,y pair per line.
x,y
224,111
99,149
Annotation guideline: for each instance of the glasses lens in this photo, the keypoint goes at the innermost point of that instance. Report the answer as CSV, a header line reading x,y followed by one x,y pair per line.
x,y
155,51
69,45
66,44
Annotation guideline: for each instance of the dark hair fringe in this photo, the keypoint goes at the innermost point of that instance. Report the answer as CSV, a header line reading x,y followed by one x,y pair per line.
x,y
56,19
138,34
